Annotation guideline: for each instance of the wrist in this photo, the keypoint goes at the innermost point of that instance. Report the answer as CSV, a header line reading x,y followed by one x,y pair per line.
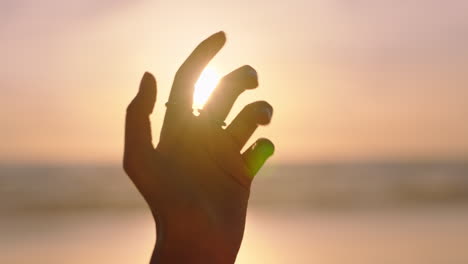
x,y
191,244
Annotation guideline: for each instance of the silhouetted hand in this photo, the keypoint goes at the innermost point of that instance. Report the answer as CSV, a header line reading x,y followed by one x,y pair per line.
x,y
196,181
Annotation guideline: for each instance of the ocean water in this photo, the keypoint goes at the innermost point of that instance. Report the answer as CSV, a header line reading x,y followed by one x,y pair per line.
x,y
392,212
308,187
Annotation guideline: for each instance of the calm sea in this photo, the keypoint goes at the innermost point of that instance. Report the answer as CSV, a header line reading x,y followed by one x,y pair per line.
x,y
307,187
388,212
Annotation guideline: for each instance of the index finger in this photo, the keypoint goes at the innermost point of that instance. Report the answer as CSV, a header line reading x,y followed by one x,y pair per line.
x,y
181,97
184,81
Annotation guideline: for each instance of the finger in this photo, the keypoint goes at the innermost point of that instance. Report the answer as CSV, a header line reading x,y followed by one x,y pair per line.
x,y
137,124
229,88
181,97
245,123
257,154
184,81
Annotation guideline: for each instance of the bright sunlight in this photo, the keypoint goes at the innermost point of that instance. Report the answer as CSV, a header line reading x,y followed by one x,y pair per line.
x,y
205,85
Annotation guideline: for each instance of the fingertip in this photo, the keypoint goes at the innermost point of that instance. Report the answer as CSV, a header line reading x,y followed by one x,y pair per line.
x,y
221,34
252,75
264,113
256,156
148,84
146,96
265,147
219,38
242,78
148,79
148,75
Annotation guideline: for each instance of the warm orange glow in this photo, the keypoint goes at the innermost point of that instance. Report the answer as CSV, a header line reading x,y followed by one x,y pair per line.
x,y
335,69
205,86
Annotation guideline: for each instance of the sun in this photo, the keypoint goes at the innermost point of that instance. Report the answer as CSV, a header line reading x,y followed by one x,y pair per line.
x,y
205,85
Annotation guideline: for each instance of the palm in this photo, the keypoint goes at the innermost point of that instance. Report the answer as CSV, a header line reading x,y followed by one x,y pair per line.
x,y
196,181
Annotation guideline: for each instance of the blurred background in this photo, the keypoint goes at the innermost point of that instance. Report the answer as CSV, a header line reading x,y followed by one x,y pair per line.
x,y
370,125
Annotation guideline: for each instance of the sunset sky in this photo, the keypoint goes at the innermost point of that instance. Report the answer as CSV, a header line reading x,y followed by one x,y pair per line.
x,y
347,79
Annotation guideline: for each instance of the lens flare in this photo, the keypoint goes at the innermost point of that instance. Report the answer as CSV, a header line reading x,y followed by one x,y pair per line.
x,y
205,85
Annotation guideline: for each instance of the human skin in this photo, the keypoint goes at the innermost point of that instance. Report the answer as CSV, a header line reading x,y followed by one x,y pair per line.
x,y
197,181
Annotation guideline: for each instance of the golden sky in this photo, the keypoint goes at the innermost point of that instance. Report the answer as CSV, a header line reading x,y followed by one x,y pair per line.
x,y
348,79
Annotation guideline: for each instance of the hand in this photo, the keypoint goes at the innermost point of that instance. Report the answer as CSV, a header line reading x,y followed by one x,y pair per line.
x,y
196,181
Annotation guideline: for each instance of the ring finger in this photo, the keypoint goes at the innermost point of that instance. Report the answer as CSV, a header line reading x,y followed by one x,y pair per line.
x,y
247,121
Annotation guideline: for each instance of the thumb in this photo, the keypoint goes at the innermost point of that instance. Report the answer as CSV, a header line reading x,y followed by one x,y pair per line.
x,y
138,141
146,96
